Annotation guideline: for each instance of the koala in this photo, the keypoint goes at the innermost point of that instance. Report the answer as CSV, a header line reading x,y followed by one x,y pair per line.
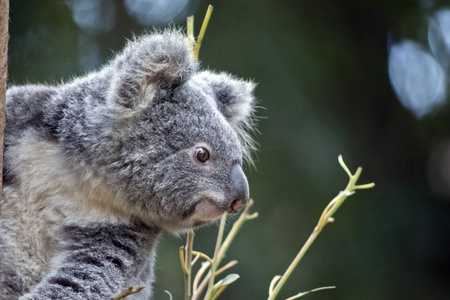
x,y
97,168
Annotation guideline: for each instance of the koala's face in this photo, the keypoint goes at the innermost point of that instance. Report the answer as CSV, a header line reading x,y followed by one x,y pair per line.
x,y
184,156
175,137
198,163
200,167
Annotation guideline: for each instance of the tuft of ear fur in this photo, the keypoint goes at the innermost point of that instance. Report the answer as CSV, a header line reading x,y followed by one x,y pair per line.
x,y
148,64
236,101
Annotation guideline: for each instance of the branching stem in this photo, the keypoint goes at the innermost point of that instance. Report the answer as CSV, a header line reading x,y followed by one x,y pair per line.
x,y
326,217
196,44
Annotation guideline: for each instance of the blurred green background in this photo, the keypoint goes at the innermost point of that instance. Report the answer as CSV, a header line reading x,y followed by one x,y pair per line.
x,y
322,69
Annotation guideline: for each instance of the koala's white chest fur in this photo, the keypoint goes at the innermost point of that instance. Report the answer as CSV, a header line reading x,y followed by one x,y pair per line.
x,y
50,195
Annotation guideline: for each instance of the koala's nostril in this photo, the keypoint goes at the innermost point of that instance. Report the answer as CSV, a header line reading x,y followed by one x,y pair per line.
x,y
236,205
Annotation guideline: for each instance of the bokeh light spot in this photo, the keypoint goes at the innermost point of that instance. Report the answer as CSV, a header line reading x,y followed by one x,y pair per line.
x,y
417,78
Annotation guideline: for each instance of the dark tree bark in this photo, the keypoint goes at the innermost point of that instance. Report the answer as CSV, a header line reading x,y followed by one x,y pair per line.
x,y
4,38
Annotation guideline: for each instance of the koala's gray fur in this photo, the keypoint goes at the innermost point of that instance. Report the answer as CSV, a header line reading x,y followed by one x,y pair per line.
x,y
94,169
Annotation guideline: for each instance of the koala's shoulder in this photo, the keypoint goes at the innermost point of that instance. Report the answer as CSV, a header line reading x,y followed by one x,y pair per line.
x,y
26,106
25,95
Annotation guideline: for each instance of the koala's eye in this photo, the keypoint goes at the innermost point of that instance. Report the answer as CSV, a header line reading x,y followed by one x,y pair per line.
x,y
201,154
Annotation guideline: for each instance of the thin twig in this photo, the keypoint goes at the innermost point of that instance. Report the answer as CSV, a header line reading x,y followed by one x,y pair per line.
x,y
195,287
216,258
198,44
226,267
188,265
129,291
190,31
202,255
311,291
202,286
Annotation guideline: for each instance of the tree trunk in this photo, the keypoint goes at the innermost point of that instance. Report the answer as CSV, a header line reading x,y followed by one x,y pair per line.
x,y
4,37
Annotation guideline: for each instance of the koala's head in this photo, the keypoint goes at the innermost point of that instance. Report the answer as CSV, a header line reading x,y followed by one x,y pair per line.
x,y
178,136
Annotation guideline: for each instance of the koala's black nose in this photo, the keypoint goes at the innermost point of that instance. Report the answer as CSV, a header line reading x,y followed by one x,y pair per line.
x,y
239,193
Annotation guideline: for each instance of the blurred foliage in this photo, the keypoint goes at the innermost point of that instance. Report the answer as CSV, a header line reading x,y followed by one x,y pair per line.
x,y
324,90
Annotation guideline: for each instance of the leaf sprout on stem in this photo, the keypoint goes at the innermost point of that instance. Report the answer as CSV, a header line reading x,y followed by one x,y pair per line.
x,y
326,217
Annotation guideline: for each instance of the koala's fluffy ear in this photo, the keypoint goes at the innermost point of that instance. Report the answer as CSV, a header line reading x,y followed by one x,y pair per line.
x,y
148,64
234,97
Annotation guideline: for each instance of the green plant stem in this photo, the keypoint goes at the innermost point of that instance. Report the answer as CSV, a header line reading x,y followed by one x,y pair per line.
x,y
326,217
216,258
197,289
202,31
293,264
204,256
129,291
188,265
201,287
221,250
227,266
310,291
223,221
218,292
235,229
214,263
190,30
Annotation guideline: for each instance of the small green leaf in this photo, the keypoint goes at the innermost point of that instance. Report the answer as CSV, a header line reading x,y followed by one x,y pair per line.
x,y
229,279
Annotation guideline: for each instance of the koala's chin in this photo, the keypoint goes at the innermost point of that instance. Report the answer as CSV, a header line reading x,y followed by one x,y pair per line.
x,y
207,211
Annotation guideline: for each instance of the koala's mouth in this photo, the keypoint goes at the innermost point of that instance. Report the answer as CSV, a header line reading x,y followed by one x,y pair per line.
x,y
208,207
207,210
